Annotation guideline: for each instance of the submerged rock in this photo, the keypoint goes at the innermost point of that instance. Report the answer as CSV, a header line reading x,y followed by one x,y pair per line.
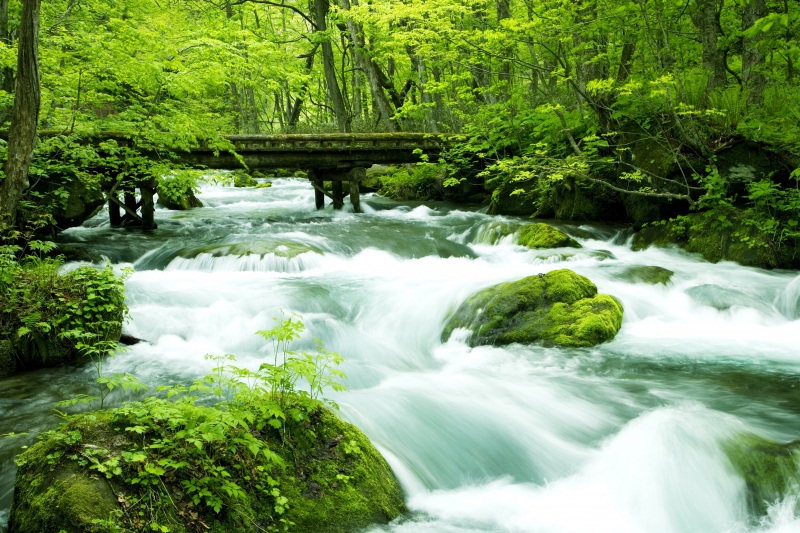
x,y
331,480
179,201
771,471
646,274
243,179
542,236
560,308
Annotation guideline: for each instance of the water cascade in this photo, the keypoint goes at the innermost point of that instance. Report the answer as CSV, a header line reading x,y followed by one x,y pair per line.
x,y
625,437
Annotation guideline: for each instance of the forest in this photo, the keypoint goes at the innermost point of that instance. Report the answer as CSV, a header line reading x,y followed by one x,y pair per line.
x,y
624,362
624,110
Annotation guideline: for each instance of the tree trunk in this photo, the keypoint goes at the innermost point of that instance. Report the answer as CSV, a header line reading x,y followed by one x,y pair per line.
x,y
503,13
24,117
705,19
382,106
321,8
418,64
752,56
6,73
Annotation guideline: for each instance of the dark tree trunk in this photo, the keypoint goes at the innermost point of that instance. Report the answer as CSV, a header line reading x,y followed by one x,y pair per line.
x,y
376,79
321,8
706,20
24,116
503,13
752,56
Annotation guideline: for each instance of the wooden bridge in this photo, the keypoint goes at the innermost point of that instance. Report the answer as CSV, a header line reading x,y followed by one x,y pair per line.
x,y
335,158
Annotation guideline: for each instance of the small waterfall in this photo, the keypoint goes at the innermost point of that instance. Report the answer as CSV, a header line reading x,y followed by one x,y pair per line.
x,y
788,301
271,262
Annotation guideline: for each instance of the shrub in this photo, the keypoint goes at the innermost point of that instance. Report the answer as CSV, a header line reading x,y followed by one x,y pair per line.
x,y
44,314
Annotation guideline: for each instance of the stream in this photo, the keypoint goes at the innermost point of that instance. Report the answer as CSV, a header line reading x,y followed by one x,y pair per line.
x,y
624,437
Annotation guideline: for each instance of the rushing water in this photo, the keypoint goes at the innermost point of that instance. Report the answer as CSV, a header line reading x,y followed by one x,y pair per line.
x,y
625,437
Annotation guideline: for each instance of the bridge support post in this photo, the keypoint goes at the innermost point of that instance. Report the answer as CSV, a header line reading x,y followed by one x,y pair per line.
x,y
338,194
319,188
114,215
356,175
148,208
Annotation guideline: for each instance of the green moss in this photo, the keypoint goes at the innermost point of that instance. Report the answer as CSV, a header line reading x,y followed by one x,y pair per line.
x,y
770,470
646,274
242,179
342,483
265,185
720,234
543,236
333,478
560,307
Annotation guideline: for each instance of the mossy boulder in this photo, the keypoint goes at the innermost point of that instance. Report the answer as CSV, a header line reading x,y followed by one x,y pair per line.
x,y
179,200
84,200
770,470
721,234
317,472
650,274
264,185
243,179
543,236
559,308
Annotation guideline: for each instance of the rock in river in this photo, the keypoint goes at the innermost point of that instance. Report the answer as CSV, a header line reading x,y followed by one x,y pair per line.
x,y
559,308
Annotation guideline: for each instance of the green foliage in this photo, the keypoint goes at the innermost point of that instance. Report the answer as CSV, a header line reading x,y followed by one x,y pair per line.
x,y
418,182
176,189
49,317
221,458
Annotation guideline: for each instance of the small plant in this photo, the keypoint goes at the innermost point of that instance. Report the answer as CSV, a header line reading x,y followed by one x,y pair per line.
x,y
44,313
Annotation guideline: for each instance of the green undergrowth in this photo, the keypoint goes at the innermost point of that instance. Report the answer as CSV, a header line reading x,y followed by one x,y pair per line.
x,y
238,450
413,182
48,317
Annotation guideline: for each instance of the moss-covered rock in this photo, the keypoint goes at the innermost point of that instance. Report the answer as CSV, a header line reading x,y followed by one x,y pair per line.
x,y
653,275
770,470
558,308
83,202
280,248
543,236
316,473
178,200
264,185
242,179
721,234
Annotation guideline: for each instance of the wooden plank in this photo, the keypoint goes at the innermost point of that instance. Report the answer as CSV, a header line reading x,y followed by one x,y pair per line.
x,y
127,209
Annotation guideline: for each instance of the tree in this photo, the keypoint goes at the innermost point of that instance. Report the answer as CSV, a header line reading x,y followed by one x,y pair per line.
x,y
24,116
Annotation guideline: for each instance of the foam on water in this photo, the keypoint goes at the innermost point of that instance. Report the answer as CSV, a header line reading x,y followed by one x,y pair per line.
x,y
623,437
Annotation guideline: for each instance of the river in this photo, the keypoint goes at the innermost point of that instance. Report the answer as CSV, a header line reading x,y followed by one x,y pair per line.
x,y
624,437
